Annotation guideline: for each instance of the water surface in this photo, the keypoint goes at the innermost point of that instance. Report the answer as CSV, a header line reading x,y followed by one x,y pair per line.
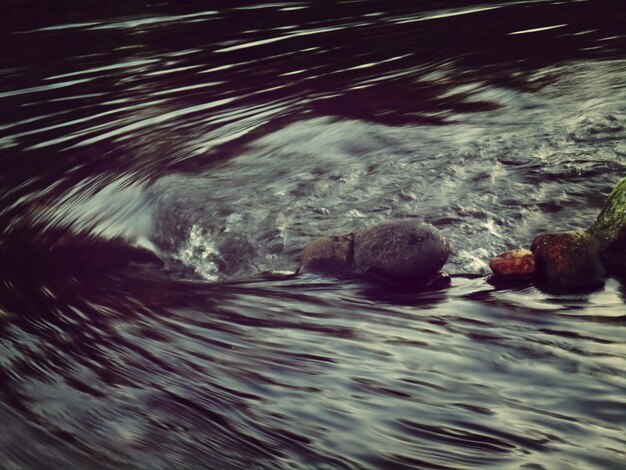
x,y
159,159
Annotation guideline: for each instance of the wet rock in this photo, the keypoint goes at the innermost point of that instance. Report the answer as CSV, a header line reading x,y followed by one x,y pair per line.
x,y
397,252
569,259
332,255
400,250
514,264
609,229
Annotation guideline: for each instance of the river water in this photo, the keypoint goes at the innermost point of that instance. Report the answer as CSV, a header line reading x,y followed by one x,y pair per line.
x,y
159,159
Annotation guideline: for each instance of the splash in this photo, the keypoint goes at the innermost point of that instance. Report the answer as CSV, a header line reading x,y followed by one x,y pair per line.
x,y
200,253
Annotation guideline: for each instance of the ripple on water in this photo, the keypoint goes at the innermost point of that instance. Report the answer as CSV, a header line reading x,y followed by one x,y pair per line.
x,y
219,142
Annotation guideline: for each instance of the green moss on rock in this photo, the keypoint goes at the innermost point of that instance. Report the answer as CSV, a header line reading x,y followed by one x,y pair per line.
x,y
609,229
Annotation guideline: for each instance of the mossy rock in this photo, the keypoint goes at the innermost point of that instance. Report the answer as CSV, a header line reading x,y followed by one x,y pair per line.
x,y
609,229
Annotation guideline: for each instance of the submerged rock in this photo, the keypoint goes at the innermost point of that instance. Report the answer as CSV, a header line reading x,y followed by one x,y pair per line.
x,y
609,229
569,259
397,252
514,264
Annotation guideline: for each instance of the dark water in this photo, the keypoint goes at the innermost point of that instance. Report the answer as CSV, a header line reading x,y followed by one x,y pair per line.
x,y
157,158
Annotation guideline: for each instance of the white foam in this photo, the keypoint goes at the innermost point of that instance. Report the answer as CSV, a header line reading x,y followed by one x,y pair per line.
x,y
200,253
474,261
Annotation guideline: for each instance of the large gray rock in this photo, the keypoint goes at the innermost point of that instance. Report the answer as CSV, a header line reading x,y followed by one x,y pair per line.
x,y
397,252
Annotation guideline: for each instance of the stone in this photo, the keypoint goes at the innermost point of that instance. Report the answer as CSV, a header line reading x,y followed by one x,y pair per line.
x,y
332,255
569,259
405,251
400,250
609,229
514,264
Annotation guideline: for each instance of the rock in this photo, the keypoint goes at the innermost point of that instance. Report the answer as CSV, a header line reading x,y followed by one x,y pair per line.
x,y
569,259
400,250
397,252
609,229
514,264
333,255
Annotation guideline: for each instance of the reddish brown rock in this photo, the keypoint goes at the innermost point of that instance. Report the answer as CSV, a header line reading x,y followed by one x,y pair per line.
x,y
568,259
514,264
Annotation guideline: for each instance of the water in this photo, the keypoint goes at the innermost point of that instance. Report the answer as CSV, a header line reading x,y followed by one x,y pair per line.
x,y
159,160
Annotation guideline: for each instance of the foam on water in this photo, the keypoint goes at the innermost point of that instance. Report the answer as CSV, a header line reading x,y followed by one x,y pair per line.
x,y
200,253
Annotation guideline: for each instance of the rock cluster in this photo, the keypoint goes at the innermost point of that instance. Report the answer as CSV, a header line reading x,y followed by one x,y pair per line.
x,y
401,252
574,259
413,252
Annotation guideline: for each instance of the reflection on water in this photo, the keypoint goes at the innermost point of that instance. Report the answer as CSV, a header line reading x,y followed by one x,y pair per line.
x,y
160,160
